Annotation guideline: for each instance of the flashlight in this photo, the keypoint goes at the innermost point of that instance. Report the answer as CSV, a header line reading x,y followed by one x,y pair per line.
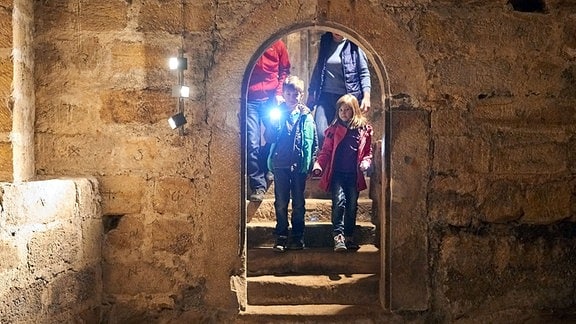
x,y
275,114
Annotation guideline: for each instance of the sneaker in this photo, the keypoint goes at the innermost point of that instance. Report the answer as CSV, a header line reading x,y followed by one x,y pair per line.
x,y
350,244
339,243
280,245
257,195
296,244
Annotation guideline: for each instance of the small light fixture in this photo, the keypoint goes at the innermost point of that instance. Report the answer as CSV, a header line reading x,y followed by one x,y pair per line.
x,y
177,120
181,91
178,63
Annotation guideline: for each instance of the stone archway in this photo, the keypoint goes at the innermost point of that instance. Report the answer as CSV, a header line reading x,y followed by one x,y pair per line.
x,y
380,102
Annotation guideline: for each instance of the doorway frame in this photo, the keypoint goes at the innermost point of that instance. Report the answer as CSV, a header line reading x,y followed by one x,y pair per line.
x,y
385,155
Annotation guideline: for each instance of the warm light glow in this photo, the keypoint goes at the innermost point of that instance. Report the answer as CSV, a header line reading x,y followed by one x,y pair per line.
x,y
173,63
181,91
184,92
178,63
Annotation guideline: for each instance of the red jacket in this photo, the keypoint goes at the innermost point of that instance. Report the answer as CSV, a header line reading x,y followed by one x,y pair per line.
x,y
269,73
333,136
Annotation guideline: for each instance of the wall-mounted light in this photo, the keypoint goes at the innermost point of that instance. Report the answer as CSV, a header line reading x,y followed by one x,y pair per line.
x,y
177,120
178,63
180,91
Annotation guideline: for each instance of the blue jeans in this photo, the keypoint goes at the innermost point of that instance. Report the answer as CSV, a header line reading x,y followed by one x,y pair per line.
x,y
344,203
324,114
256,113
288,183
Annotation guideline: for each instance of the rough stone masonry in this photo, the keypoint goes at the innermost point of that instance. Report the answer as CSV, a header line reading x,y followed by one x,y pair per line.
x,y
475,103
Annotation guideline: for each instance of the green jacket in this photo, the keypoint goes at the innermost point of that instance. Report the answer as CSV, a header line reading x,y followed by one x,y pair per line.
x,y
294,145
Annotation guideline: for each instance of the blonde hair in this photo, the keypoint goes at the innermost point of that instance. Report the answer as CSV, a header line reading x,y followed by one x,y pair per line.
x,y
295,83
358,119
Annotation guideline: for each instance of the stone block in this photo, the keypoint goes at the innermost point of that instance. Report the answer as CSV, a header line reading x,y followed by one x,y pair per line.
x,y
548,203
460,154
10,257
40,202
176,237
6,75
452,208
124,239
103,15
537,158
528,267
529,110
130,106
5,161
23,304
140,277
74,290
6,28
175,195
53,251
124,194
501,202
449,122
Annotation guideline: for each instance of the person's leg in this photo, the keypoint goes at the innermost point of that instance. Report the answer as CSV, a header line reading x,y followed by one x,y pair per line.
x,y
281,200
338,209
351,193
325,113
255,175
321,123
298,209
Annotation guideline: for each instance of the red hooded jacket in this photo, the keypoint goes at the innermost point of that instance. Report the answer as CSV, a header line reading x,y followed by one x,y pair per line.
x,y
269,73
333,136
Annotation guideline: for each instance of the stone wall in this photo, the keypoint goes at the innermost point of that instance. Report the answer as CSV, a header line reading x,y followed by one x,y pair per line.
x,y
6,68
479,146
51,251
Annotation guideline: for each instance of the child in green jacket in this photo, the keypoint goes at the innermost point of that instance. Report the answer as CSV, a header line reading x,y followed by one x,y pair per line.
x,y
292,154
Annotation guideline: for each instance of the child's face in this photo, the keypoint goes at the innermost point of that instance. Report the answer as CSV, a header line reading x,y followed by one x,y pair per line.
x,y
345,113
292,97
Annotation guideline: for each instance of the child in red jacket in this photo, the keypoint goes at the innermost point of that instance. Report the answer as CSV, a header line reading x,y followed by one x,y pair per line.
x,y
345,155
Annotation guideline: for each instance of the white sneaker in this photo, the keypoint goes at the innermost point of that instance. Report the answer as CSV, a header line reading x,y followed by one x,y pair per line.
x,y
339,243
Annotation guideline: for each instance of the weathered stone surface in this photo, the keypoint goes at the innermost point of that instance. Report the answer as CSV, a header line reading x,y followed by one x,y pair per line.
x,y
481,96
5,161
51,256
124,194
460,154
410,167
548,203
535,258
503,202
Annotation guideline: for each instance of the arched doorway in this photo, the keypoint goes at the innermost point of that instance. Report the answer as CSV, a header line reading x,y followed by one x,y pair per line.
x,y
302,46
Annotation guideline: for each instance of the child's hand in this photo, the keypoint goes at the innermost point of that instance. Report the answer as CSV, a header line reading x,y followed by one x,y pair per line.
x,y
364,165
304,110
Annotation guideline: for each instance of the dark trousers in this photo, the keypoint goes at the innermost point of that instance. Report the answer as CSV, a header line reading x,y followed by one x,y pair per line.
x,y
344,203
289,184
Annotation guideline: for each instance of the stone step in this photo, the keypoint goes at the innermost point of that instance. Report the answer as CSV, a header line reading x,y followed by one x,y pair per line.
x,y
316,210
316,234
265,261
328,313
344,289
